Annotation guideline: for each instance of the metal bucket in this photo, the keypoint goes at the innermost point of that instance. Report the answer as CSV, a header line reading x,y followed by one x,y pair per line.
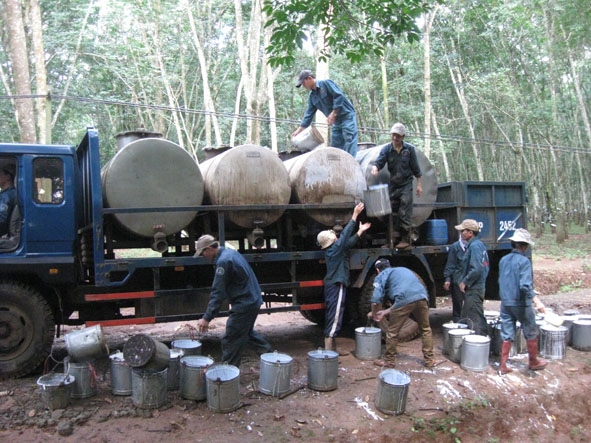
x,y
475,351
87,344
174,369
582,335
223,388
377,201
308,139
187,346
56,389
275,375
85,379
446,328
368,343
192,384
148,388
456,337
323,367
568,321
392,391
553,339
120,375
142,351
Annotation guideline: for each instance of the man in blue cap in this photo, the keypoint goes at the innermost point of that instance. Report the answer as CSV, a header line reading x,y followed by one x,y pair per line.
x,y
325,96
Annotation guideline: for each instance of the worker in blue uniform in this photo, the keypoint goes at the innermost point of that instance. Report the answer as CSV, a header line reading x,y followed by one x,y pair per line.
x,y
236,282
337,274
325,96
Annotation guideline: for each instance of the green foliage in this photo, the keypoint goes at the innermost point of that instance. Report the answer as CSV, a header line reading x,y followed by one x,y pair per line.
x,y
356,29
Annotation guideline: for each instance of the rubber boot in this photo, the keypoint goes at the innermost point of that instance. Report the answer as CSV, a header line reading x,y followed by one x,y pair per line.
x,y
535,363
329,343
505,351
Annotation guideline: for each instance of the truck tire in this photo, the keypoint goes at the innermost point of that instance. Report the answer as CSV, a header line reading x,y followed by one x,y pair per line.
x,y
27,330
410,328
315,316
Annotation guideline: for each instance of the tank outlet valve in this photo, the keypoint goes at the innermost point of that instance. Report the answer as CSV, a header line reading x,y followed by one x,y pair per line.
x,y
160,244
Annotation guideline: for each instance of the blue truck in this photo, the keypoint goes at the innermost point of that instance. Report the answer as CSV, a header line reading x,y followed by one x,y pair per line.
x,y
68,261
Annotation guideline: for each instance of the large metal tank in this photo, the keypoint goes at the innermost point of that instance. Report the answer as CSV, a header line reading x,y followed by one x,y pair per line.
x,y
326,175
152,172
423,205
247,175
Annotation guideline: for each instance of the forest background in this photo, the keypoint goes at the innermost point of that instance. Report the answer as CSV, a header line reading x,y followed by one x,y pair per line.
x,y
490,90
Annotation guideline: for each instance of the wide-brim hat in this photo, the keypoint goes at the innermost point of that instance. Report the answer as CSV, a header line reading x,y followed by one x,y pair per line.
x,y
522,236
204,242
326,238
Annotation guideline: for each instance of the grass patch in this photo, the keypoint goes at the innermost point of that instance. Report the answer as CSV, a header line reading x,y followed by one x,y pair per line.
x,y
577,245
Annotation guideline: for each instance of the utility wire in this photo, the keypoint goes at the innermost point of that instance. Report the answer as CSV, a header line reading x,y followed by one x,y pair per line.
x,y
364,129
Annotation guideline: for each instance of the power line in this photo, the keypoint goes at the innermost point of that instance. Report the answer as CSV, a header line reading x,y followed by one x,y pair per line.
x,y
364,129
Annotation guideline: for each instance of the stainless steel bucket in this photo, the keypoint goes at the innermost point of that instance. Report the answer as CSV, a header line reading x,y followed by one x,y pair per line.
x,y
475,351
275,375
377,201
148,388
393,387
553,341
85,379
368,343
174,369
86,344
456,337
582,335
323,369
568,321
56,389
192,381
187,346
223,387
308,139
446,328
120,375
142,351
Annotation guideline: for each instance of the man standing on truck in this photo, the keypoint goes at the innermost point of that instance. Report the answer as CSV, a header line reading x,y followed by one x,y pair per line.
x,y
452,274
408,296
337,273
7,196
235,281
475,268
325,96
403,165
516,288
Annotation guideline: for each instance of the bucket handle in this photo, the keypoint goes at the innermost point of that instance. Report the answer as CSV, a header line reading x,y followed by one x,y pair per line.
x,y
468,319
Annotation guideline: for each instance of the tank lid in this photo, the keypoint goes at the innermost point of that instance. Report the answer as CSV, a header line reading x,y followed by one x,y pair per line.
x,y
140,133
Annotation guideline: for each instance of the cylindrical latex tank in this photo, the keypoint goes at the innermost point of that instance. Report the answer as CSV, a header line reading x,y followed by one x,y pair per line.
x,y
152,172
423,205
326,175
247,175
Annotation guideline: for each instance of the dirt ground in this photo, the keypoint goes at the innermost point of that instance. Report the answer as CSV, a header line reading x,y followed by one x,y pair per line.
x,y
446,404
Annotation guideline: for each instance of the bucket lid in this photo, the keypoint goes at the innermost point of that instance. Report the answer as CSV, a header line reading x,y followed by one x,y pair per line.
x,y
186,344
368,330
461,332
276,357
553,319
196,361
569,312
222,372
473,338
322,354
452,325
55,379
117,356
582,322
394,377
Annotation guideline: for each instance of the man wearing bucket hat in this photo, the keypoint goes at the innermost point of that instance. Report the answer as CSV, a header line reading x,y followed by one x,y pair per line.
x,y
517,297
403,165
337,273
408,296
475,267
236,282
325,96
7,196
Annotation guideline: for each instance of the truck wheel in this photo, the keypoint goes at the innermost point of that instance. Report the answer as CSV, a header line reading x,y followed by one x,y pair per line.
x,y
27,329
315,316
